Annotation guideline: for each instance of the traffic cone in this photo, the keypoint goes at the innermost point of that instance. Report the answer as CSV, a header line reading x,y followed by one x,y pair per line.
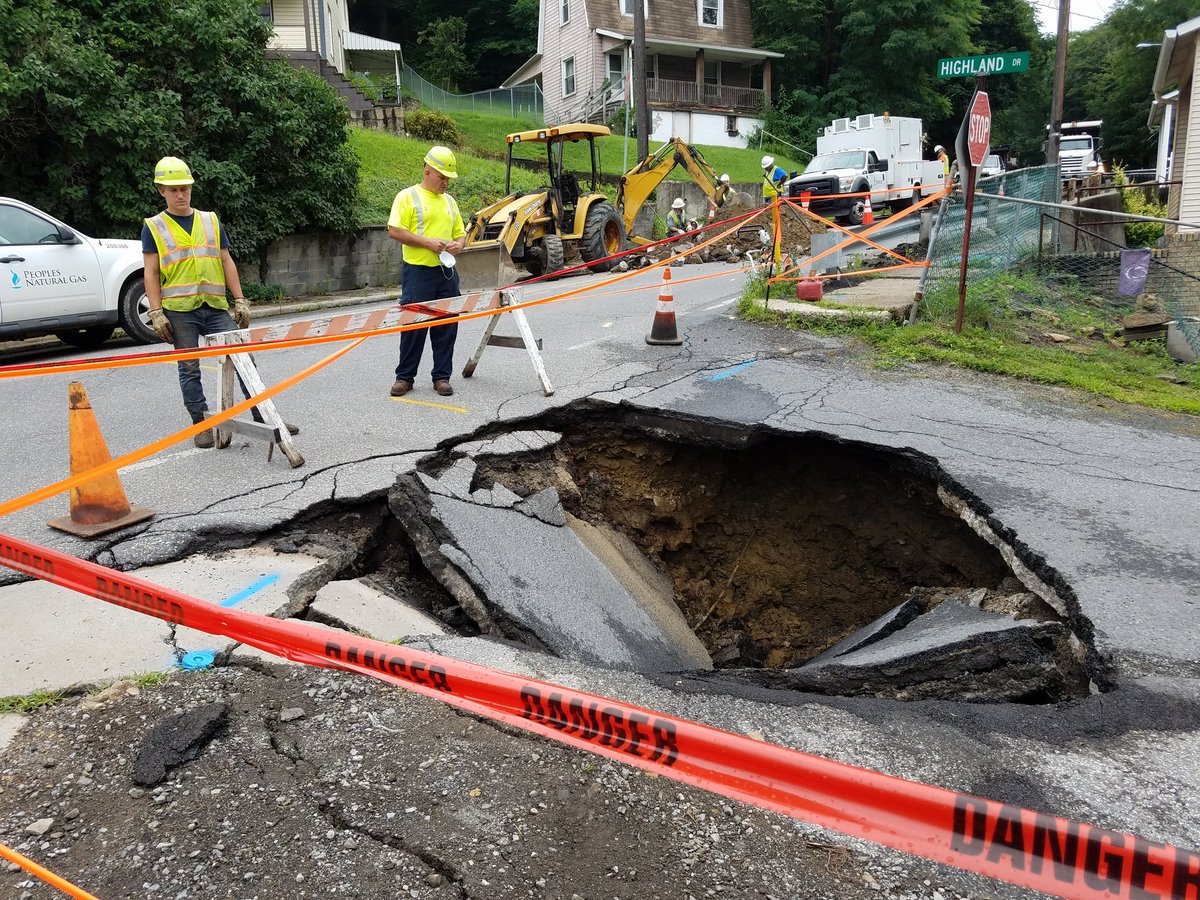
x,y
663,331
868,215
99,505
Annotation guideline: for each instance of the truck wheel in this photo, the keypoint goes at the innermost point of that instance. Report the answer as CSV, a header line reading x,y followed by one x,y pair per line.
x,y
857,211
603,235
134,313
86,338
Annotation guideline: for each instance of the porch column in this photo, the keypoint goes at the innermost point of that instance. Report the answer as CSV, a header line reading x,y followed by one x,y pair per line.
x,y
767,83
700,75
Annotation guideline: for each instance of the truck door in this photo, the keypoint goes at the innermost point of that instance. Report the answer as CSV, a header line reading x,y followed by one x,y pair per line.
x,y
40,274
876,173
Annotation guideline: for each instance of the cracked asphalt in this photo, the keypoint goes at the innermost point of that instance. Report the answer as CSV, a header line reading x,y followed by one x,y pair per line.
x,y
1100,498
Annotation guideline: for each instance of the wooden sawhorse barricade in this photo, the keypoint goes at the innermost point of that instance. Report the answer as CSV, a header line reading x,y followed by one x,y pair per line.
x,y
273,430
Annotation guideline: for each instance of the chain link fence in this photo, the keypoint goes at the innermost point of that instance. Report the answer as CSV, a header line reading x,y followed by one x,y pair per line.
x,y
523,101
1071,249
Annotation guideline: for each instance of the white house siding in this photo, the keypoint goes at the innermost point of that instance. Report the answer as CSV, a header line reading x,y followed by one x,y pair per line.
x,y
290,33
562,42
1189,172
700,128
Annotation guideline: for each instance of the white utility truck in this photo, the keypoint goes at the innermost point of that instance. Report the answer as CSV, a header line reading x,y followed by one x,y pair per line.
x,y
55,280
1079,149
874,153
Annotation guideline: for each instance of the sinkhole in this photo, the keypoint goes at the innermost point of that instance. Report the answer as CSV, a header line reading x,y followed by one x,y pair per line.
x,y
729,554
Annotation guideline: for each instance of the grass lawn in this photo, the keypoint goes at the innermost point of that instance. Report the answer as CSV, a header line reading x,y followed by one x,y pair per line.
x,y
388,163
1003,341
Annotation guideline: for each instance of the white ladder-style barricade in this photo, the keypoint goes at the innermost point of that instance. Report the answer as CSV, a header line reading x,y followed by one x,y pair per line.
x,y
527,340
273,430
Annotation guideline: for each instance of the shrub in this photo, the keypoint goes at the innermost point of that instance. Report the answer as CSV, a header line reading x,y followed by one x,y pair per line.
x,y
432,125
94,93
1133,200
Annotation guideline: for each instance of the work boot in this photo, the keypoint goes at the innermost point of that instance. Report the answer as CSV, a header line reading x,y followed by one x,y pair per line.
x,y
203,440
443,388
401,387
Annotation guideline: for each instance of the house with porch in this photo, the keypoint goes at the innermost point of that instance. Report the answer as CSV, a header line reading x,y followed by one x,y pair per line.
x,y
1175,111
706,81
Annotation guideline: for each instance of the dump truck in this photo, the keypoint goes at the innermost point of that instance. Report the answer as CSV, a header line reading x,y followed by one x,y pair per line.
x,y
867,153
640,182
1079,149
540,231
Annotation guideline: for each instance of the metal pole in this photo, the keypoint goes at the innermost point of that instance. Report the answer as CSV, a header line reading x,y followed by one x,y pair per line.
x,y
933,236
962,272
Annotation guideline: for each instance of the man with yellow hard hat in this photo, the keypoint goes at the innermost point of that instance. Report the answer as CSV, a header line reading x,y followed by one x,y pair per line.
x,y
188,266
426,220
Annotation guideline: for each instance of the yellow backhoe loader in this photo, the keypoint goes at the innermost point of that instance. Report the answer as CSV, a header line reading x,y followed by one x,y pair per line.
x,y
540,231
639,182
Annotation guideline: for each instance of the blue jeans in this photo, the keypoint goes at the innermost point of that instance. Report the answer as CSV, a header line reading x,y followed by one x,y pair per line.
x,y
420,284
188,326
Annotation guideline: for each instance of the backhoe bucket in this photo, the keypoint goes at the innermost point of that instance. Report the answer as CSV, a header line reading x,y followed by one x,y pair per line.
x,y
485,267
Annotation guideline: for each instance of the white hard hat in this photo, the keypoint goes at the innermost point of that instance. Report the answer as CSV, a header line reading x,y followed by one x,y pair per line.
x,y
725,179
938,149
768,161
679,203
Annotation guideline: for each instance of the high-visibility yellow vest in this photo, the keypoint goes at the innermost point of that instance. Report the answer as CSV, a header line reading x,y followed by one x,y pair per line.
x,y
190,264
421,212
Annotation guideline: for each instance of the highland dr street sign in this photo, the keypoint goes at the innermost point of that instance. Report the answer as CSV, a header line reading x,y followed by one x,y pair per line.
x,y
989,64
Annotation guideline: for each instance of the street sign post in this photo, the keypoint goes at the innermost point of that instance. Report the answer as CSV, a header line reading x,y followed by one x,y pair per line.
x,y
974,139
989,64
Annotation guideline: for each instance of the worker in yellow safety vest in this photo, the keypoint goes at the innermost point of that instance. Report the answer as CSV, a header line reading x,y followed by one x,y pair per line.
x,y
773,179
426,220
944,158
187,270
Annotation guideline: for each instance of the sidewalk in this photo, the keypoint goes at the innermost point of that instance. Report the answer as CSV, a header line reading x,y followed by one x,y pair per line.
x,y
881,297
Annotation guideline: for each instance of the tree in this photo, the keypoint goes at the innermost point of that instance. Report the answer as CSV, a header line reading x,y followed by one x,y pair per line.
x,y
444,57
93,92
1109,78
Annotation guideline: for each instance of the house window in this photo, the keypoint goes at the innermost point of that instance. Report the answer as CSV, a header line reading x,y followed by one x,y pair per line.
x,y
565,11
568,76
710,13
616,72
731,128
627,7
267,11
756,77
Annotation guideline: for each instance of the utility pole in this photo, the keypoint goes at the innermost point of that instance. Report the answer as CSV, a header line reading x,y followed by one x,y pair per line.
x,y
640,95
1060,78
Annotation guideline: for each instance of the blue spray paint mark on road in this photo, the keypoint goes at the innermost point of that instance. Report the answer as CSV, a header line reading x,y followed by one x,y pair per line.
x,y
250,591
732,371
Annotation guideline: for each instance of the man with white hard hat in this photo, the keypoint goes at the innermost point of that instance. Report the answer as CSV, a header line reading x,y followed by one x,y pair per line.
x,y
677,218
773,179
426,220
720,195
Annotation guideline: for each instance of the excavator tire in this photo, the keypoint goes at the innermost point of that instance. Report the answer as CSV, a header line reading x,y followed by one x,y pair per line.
x,y
548,258
603,235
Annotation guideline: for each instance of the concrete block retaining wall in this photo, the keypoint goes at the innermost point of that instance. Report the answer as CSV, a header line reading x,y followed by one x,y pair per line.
x,y
304,264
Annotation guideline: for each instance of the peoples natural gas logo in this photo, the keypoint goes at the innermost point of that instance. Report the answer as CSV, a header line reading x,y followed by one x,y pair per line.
x,y
16,280
44,278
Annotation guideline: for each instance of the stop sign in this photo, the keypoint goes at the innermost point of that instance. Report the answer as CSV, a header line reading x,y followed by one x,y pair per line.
x,y
979,128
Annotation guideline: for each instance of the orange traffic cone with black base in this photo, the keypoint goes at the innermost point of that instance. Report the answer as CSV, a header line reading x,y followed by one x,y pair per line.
x,y
664,331
99,505
868,214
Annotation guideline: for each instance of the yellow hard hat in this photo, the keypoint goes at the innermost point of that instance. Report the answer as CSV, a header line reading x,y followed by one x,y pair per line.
x,y
441,159
172,170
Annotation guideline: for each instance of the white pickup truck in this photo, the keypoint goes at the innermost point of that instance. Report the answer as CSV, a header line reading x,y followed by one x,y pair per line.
x,y
54,280
867,153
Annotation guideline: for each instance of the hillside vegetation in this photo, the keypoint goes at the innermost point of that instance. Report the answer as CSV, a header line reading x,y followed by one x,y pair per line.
x,y
388,163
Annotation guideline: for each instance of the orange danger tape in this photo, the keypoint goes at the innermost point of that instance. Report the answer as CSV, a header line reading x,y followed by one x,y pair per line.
x,y
1048,853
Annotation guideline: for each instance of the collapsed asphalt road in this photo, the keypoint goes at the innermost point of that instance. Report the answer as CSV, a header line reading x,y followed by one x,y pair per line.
x,y
1102,498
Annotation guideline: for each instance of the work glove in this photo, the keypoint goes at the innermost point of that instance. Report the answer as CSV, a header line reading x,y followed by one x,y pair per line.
x,y
162,325
241,312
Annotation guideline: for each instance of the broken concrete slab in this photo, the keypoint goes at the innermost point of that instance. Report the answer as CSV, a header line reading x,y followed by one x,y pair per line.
x,y
982,656
544,505
886,625
510,443
371,612
96,641
541,583
10,724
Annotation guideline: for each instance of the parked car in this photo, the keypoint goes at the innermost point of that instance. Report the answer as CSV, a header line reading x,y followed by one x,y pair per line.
x,y
56,280
992,165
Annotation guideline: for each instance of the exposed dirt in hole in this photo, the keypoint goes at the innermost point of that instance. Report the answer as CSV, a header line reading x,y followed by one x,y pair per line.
x,y
777,551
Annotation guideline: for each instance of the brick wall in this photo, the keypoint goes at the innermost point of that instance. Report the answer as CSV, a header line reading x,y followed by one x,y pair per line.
x,y
304,264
